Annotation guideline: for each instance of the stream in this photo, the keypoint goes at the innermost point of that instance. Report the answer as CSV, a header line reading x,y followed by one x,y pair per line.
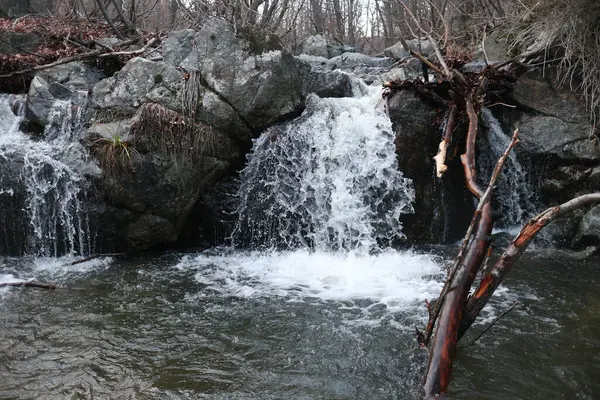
x,y
227,324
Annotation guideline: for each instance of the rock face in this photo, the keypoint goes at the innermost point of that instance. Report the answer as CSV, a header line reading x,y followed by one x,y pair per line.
x,y
442,208
183,122
257,88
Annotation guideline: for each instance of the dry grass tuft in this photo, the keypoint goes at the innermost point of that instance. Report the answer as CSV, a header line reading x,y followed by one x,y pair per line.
x,y
571,30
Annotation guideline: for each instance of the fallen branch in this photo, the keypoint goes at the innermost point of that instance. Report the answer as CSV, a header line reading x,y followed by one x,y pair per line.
x,y
91,258
39,285
450,304
65,60
131,53
492,279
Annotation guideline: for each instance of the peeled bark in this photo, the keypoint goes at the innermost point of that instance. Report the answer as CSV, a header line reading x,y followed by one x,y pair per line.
x,y
445,339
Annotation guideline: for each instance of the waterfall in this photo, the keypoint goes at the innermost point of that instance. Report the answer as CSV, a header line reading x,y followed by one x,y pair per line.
x,y
328,180
514,193
46,179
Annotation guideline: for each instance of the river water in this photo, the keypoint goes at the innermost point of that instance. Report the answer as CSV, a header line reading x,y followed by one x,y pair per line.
x,y
287,325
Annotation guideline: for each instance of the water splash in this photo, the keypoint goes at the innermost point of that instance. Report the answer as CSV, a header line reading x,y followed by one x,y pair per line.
x,y
328,180
514,194
50,180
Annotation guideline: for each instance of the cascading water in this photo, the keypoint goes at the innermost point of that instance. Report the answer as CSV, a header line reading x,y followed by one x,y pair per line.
x,y
514,193
47,178
328,180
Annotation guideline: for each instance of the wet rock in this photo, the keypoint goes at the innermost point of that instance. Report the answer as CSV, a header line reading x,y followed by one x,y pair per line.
x,y
323,82
149,231
443,208
549,136
588,233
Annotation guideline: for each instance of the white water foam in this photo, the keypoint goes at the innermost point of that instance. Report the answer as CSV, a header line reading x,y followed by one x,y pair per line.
x,y
401,281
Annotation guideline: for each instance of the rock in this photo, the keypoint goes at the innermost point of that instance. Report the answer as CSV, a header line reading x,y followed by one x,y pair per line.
x,y
68,82
178,46
397,51
443,208
76,75
537,91
324,83
39,101
139,81
20,8
323,46
261,88
351,60
148,231
549,136
588,233
214,216
560,181
411,69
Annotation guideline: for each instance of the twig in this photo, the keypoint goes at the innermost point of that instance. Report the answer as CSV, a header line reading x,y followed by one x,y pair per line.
x,y
91,258
472,342
76,57
130,53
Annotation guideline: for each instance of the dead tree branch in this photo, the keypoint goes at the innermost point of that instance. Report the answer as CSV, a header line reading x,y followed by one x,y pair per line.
x,y
492,279
81,56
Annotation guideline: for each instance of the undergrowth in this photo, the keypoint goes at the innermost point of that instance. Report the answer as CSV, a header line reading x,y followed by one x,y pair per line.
x,y
180,137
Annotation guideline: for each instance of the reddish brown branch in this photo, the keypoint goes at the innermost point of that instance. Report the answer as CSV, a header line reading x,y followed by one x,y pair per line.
x,y
445,339
492,279
450,304
468,159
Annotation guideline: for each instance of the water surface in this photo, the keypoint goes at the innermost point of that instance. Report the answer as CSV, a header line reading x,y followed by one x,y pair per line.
x,y
288,325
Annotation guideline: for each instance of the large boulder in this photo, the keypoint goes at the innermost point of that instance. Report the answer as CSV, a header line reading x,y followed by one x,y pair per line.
x,y
69,83
261,88
398,52
323,46
324,82
157,164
